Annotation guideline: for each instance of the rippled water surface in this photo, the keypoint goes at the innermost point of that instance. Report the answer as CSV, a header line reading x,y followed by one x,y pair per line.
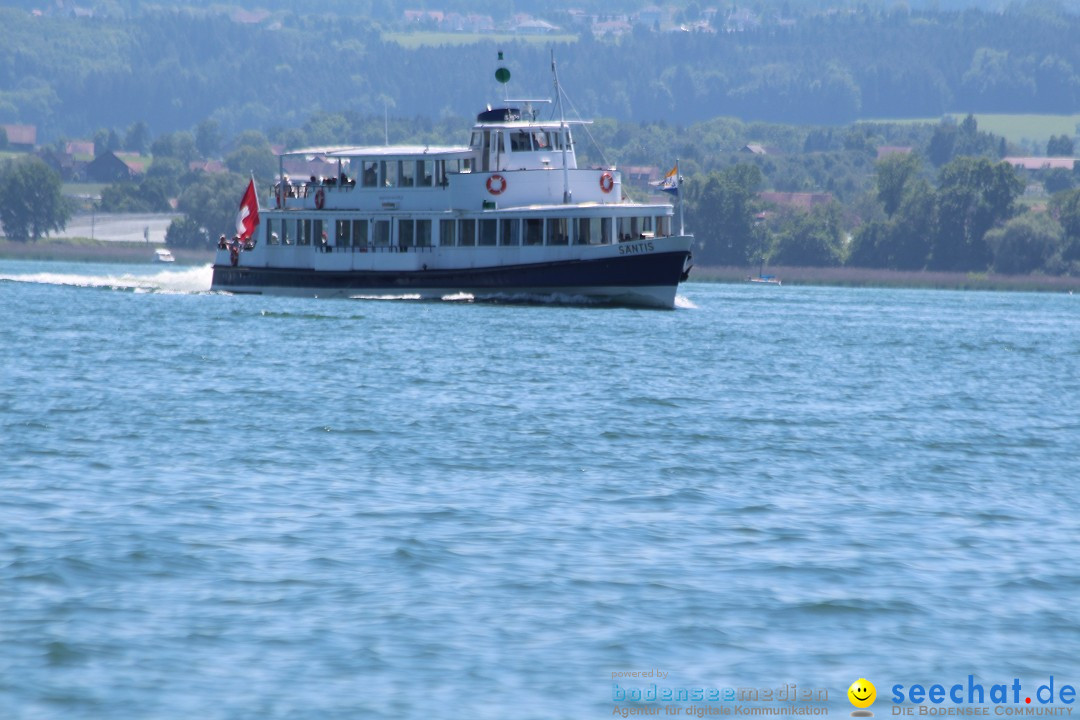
x,y
219,506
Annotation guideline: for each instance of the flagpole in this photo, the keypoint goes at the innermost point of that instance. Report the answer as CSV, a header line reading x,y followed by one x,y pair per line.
x,y
678,193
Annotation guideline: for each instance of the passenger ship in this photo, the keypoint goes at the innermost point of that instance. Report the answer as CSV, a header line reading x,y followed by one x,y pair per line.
x,y
510,216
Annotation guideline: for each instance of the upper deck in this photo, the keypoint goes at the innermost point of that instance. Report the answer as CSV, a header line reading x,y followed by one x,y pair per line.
x,y
509,162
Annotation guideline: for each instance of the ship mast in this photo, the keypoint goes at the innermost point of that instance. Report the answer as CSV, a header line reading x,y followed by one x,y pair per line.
x,y
565,136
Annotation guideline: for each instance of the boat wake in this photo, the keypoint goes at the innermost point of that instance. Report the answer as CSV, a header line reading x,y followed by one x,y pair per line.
x,y
684,303
496,298
186,281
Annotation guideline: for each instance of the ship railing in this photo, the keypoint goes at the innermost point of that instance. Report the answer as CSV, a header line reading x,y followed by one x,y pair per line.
x,y
378,249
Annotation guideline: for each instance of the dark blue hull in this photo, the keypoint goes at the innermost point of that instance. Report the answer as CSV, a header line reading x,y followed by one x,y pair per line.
x,y
615,278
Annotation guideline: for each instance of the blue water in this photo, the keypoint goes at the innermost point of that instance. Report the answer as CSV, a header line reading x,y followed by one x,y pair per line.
x,y
254,507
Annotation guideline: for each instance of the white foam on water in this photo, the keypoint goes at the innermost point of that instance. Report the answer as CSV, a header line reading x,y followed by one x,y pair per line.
x,y
387,297
683,302
188,280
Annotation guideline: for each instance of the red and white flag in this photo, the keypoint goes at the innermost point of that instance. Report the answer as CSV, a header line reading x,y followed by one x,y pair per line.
x,y
248,216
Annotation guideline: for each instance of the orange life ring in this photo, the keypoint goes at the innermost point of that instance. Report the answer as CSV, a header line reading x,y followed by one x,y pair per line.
x,y
496,184
320,199
607,182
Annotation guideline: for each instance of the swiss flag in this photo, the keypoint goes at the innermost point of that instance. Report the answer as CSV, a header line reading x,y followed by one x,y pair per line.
x,y
248,217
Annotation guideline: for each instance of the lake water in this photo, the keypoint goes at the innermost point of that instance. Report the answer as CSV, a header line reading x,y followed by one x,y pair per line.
x,y
223,506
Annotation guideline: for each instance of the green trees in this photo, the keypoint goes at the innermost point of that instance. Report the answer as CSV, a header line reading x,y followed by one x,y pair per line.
x,y
1059,146
1066,208
808,238
209,205
947,228
894,174
253,155
31,204
1025,243
973,195
720,207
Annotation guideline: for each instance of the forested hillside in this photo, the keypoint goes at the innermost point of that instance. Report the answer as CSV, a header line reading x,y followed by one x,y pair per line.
x,y
171,69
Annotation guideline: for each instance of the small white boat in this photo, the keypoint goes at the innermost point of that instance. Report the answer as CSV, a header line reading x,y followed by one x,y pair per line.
x,y
163,256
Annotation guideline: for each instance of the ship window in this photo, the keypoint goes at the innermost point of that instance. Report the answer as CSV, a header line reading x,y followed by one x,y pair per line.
x,y
380,232
485,153
270,238
468,232
475,141
556,231
370,174
520,141
359,232
661,226
341,233
319,234
303,232
511,231
588,232
605,231
446,232
624,229
407,175
285,231
541,140
405,229
534,231
488,230
388,173
646,225
423,233
425,173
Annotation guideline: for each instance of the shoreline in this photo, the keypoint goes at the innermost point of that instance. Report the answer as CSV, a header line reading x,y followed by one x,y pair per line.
x,y
107,251
872,277
86,250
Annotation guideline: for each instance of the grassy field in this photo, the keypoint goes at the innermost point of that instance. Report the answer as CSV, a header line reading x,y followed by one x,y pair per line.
x,y
84,188
436,39
1014,128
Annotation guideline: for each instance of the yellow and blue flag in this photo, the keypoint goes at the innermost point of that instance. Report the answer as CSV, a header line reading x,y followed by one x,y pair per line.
x,y
671,181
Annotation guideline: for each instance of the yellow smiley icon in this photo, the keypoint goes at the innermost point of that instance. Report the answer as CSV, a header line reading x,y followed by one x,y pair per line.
x,y
862,693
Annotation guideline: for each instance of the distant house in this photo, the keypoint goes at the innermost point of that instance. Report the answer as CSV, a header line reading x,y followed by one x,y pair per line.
x,y
1041,163
210,167
300,168
533,26
611,28
796,200
884,151
21,137
249,17
640,175
83,149
758,149
115,167
70,167
651,16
